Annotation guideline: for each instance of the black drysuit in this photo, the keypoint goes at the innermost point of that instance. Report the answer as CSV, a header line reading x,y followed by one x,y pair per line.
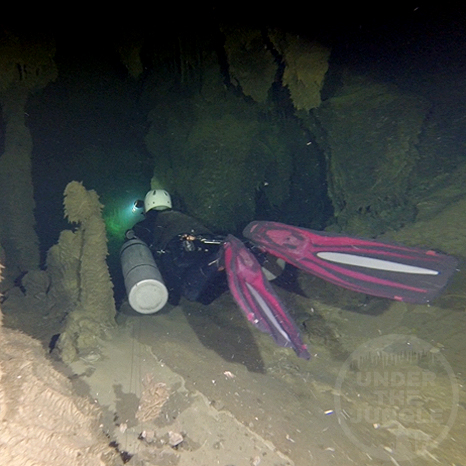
x,y
187,254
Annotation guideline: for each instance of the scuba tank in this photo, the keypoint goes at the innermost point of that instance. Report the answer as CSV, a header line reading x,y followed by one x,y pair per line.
x,y
145,288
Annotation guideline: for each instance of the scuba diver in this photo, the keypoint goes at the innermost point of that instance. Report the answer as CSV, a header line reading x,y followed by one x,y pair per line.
x,y
187,252
199,265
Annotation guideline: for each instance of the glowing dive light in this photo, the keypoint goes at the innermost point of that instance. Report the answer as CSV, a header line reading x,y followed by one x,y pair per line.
x,y
119,218
137,205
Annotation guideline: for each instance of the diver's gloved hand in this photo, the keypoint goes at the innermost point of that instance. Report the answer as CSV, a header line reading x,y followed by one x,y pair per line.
x,y
130,234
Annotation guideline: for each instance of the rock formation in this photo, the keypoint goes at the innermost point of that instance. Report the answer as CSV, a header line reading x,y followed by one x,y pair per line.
x,y
26,65
79,270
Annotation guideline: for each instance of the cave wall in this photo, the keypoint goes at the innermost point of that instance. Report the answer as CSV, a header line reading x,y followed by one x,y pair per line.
x,y
370,132
220,138
26,66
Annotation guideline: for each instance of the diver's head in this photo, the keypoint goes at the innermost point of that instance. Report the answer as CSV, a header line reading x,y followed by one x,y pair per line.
x,y
157,199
